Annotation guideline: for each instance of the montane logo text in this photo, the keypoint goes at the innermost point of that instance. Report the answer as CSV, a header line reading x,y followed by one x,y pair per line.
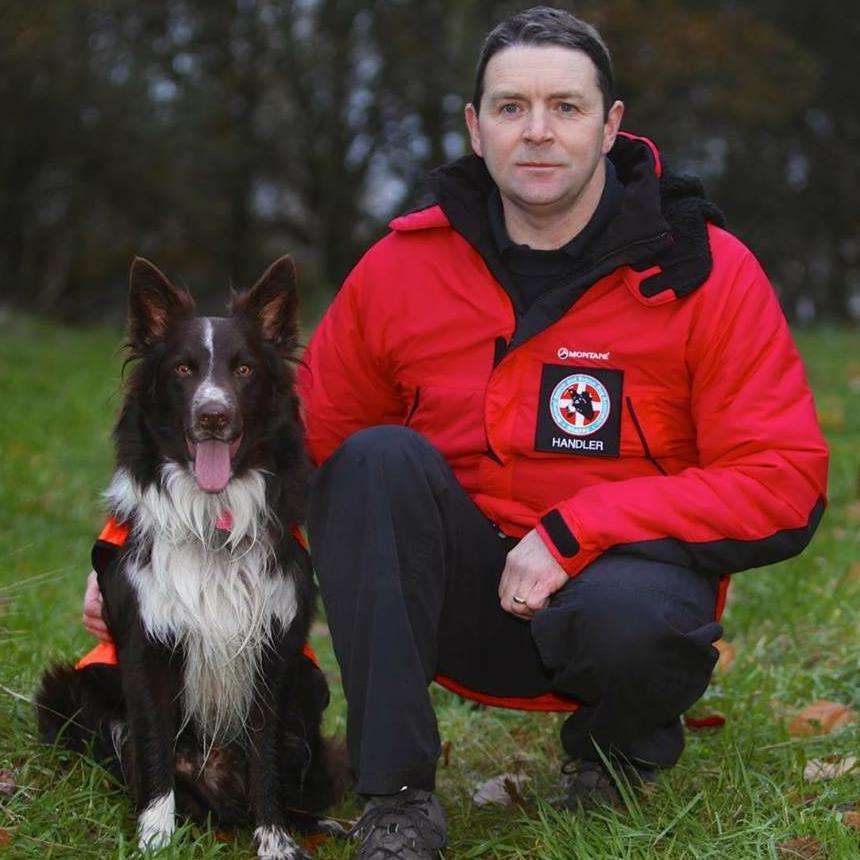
x,y
564,353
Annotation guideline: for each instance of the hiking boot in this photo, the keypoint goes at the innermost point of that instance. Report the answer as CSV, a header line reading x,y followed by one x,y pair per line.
x,y
590,783
409,825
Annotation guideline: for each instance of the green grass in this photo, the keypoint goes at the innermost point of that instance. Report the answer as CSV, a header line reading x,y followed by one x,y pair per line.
x,y
738,791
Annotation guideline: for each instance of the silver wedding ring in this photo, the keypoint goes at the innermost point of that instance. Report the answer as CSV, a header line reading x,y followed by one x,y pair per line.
x,y
518,599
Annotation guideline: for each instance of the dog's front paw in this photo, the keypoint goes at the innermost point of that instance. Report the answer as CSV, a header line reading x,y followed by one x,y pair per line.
x,y
274,843
155,825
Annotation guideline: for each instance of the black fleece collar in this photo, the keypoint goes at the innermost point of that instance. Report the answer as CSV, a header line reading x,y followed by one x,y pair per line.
x,y
655,215
686,264
660,221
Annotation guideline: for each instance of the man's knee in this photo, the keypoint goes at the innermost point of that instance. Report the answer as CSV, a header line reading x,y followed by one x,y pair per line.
x,y
598,633
376,492
630,627
380,445
387,466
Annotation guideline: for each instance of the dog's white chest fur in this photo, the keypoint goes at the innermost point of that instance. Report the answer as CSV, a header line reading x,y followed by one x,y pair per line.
x,y
215,594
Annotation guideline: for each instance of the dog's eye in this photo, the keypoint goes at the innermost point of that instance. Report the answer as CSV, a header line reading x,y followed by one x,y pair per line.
x,y
244,370
183,369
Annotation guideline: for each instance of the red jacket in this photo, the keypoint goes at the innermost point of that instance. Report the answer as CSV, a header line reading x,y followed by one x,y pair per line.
x,y
668,417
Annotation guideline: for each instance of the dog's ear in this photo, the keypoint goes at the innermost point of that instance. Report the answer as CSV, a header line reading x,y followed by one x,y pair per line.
x,y
152,303
272,303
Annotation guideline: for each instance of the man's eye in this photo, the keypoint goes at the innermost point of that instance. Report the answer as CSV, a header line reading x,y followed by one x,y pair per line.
x,y
509,108
567,107
244,370
183,369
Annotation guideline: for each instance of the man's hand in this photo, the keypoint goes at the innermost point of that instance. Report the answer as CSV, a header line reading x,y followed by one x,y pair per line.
x,y
93,621
532,575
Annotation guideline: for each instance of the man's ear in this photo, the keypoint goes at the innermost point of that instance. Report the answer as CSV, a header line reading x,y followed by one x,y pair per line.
x,y
612,125
272,304
153,302
474,131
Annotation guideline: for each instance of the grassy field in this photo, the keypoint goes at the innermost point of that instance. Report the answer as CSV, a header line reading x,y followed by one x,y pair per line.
x,y
738,792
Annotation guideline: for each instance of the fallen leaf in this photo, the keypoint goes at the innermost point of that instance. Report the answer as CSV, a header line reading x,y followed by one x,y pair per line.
x,y
5,837
446,753
502,790
851,819
224,836
8,785
854,570
314,840
709,721
854,378
727,655
804,846
828,768
852,511
820,718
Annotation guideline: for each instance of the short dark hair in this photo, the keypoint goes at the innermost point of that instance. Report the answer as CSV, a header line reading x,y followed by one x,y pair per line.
x,y
544,25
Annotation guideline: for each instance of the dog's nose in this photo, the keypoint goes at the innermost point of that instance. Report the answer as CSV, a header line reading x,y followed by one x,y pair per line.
x,y
213,421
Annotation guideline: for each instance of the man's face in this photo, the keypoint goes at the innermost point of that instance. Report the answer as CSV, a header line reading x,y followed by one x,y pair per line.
x,y
541,129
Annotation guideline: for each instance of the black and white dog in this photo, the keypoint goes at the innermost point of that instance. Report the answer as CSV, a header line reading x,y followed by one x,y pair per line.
x,y
213,708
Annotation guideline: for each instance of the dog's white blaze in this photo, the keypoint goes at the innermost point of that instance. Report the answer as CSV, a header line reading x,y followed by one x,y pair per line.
x,y
274,843
209,341
156,823
207,391
215,594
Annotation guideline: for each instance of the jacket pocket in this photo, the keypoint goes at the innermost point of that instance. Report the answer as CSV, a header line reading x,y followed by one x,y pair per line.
x,y
659,428
646,448
452,419
416,400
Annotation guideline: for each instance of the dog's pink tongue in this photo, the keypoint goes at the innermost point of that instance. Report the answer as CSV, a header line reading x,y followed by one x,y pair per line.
x,y
212,465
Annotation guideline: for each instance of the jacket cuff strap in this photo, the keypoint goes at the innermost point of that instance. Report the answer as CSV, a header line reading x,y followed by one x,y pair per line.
x,y
560,540
558,531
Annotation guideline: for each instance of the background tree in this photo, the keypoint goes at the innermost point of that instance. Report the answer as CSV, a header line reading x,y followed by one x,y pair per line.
x,y
214,136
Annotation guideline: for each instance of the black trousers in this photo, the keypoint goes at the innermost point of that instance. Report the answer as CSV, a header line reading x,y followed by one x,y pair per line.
x,y
409,570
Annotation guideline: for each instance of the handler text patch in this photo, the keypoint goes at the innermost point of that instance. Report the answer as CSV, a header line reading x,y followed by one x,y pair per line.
x,y
579,411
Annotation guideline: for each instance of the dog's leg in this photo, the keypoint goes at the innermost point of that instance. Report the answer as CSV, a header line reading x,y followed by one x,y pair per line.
x,y
150,684
272,840
151,692
313,771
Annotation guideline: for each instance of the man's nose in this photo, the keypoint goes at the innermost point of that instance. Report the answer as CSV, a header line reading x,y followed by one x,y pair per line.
x,y
537,128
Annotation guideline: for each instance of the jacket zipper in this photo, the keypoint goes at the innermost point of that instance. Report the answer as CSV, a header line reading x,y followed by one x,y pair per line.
x,y
499,352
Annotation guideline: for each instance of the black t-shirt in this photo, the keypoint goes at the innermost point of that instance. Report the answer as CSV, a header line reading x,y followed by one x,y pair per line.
x,y
534,272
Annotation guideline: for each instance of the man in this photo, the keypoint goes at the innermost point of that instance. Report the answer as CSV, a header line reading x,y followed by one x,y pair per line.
x,y
548,422
551,411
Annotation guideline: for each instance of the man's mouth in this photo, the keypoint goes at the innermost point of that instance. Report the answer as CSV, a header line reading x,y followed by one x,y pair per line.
x,y
213,462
